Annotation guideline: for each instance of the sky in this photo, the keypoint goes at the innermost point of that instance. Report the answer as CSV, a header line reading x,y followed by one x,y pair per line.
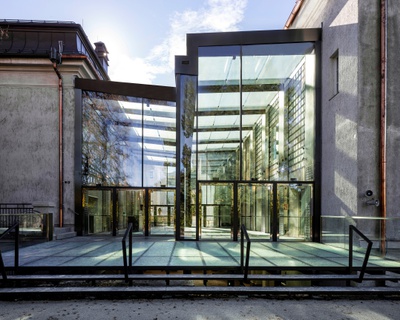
x,y
143,36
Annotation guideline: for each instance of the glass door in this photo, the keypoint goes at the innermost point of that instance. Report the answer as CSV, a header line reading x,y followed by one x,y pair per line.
x,y
276,211
98,210
161,211
294,211
130,204
255,208
216,211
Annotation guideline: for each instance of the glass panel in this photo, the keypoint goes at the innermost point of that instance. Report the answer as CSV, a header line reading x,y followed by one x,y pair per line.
x,y
111,138
97,208
255,209
216,211
294,211
162,212
126,139
218,122
159,143
131,210
187,161
278,101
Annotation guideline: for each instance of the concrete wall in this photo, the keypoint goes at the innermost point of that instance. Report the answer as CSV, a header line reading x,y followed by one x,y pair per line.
x,y
350,125
393,118
350,118
29,131
29,159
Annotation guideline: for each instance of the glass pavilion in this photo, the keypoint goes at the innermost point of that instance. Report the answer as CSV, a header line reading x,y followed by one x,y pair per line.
x,y
238,144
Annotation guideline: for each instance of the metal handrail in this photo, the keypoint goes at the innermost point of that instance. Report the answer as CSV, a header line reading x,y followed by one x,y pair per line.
x,y
367,253
16,249
244,265
128,232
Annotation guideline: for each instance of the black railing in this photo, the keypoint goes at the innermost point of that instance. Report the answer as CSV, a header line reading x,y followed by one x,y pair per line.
x,y
128,233
353,229
15,227
244,264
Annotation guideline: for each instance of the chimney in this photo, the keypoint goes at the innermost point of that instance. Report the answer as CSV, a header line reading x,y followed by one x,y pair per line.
x,y
102,54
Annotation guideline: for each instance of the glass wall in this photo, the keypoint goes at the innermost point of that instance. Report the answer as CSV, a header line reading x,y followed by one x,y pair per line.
x,y
128,141
254,128
128,164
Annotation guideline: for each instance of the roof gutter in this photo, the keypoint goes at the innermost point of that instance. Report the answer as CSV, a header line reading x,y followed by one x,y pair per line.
x,y
383,121
293,14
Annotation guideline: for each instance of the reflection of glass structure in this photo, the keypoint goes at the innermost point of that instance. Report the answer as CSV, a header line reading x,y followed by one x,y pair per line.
x,y
247,114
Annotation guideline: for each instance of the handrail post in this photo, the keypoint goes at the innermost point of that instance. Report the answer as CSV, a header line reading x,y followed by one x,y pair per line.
x,y
16,249
350,249
367,252
16,255
128,232
241,247
2,267
246,264
130,247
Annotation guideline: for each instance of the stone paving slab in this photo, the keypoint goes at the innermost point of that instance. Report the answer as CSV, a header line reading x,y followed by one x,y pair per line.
x,y
107,252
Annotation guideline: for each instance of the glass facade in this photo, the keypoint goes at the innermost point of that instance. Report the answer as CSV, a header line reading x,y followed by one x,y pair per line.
x,y
252,142
234,144
128,141
128,164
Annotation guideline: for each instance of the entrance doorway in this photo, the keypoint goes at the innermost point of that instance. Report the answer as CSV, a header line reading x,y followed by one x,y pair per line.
x,y
109,210
269,210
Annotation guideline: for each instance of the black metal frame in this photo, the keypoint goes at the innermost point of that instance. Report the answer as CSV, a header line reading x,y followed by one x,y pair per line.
x,y
236,220
163,93
114,196
188,65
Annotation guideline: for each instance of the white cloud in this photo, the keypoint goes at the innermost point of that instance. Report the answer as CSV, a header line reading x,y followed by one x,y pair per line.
x,y
214,16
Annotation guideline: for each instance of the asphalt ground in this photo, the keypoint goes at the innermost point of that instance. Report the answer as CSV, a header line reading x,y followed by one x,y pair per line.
x,y
203,308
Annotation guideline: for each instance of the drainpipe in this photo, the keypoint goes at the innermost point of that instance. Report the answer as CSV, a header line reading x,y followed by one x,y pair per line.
x,y
383,122
293,14
60,146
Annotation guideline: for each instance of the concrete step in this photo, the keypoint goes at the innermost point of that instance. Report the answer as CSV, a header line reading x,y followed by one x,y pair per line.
x,y
198,276
127,292
63,233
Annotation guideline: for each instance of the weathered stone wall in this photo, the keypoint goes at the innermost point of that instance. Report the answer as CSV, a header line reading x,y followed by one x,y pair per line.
x,y
29,132
350,119
393,118
29,158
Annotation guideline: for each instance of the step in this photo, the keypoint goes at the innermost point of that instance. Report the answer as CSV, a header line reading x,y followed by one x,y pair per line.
x,y
157,291
205,277
64,235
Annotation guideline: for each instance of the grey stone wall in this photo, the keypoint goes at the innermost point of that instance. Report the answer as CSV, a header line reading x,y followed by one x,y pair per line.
x,y
28,139
29,159
393,118
350,119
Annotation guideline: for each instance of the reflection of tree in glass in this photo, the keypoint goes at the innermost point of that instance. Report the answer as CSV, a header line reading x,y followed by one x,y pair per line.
x,y
189,106
186,156
102,147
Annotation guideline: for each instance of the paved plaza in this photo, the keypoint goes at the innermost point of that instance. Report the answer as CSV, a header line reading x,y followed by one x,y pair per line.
x,y
106,251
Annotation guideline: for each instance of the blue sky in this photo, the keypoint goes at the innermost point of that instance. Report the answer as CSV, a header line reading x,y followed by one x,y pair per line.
x,y
143,36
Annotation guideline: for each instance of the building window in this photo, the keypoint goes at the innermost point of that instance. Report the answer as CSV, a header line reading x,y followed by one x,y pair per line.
x,y
334,61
